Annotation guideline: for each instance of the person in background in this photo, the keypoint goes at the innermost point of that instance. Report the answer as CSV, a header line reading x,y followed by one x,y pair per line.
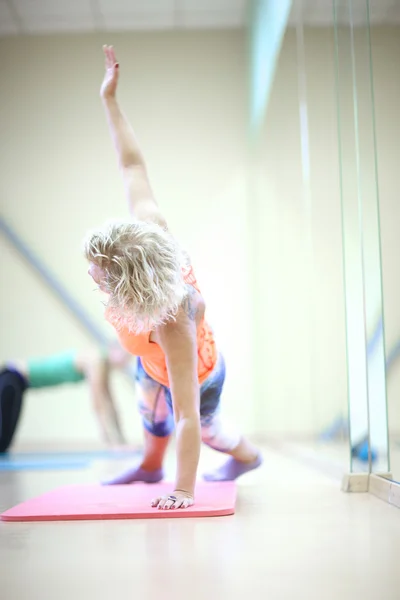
x,y
158,311
70,367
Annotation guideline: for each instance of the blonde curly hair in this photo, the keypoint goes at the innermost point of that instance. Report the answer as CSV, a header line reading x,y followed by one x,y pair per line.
x,y
142,269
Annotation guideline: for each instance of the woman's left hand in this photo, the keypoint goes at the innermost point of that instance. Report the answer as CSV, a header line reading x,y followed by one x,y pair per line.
x,y
110,81
178,499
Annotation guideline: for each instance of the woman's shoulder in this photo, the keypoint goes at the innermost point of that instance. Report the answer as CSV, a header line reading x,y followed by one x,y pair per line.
x,y
193,305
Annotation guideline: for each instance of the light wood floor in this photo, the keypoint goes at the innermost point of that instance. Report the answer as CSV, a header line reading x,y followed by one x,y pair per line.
x,y
295,535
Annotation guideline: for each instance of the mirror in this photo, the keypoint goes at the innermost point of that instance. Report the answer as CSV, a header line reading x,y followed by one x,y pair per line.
x,y
322,224
294,220
384,46
322,214
362,200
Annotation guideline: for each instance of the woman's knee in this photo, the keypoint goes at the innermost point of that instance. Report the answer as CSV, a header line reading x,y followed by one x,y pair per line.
x,y
159,429
219,436
155,409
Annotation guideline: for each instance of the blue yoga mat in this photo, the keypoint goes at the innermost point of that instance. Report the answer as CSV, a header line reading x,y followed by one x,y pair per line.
x,y
44,465
41,461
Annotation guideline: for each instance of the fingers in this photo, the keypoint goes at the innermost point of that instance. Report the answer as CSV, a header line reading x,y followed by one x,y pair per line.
x,y
110,58
183,503
106,51
162,503
167,503
106,56
113,57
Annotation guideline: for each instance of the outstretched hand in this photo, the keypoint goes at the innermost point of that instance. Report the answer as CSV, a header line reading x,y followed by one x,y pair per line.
x,y
110,81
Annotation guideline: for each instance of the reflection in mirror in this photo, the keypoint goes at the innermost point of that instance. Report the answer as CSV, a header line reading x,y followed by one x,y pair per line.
x,y
361,237
314,228
385,50
295,234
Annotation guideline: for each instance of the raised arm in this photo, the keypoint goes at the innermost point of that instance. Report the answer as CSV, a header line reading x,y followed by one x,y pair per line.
x,y
142,203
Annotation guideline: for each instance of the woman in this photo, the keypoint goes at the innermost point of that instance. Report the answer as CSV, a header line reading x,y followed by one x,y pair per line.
x,y
58,369
158,311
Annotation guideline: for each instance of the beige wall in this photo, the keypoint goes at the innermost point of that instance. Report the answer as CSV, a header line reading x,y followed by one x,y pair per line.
x,y
186,96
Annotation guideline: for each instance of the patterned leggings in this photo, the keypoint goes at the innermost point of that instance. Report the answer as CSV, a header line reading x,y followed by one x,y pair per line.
x,y
155,407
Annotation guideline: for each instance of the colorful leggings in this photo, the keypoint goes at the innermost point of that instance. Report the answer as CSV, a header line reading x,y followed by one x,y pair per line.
x,y
155,407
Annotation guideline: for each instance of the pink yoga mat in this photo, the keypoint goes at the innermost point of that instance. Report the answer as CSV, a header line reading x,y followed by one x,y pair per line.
x,y
98,502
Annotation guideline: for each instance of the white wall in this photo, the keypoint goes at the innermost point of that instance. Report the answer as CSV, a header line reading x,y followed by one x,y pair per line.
x,y
186,96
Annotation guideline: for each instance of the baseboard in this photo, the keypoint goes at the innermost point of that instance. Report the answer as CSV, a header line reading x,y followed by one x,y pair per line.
x,y
385,489
379,487
385,475
355,483
394,494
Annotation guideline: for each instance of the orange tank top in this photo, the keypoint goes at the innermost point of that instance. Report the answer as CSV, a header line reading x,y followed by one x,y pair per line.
x,y
152,356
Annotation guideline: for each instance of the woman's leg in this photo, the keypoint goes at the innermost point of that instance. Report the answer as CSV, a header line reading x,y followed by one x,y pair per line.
x,y
158,424
243,459
244,456
12,387
155,448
